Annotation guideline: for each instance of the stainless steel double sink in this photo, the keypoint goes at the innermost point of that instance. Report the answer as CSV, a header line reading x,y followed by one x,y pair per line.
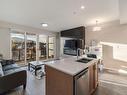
x,y
84,60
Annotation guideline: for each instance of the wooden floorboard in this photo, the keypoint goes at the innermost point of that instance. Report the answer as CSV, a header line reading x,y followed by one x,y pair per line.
x,y
37,87
110,89
34,87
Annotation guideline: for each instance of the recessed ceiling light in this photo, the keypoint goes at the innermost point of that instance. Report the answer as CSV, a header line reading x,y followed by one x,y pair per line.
x,y
44,25
82,7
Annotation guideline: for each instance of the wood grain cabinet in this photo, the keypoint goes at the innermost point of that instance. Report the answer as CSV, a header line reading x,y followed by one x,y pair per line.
x,y
60,83
93,78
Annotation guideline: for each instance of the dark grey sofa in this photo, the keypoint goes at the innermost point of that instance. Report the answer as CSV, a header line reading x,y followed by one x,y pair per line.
x,y
11,76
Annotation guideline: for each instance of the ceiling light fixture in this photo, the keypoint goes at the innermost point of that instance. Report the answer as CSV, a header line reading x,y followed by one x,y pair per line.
x,y
97,28
82,7
44,24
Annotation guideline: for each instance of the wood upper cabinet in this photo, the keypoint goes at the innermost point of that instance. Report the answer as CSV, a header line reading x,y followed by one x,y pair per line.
x,y
77,33
93,78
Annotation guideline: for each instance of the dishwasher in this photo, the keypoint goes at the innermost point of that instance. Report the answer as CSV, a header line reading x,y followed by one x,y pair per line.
x,y
82,83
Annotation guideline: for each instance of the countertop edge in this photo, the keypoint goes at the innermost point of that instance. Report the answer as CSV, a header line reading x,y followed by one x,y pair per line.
x,y
73,74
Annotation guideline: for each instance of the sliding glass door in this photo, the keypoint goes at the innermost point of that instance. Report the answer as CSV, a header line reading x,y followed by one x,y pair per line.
x,y
42,47
26,47
31,40
18,47
51,47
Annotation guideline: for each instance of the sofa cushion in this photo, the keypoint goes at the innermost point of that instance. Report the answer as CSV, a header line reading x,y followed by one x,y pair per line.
x,y
1,56
3,62
11,71
1,71
8,67
7,62
10,61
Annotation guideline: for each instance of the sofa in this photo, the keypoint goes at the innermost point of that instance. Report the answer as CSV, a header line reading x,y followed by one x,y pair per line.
x,y
11,76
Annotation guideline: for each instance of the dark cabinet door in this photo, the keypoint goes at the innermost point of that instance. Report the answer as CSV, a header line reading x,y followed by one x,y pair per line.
x,y
78,33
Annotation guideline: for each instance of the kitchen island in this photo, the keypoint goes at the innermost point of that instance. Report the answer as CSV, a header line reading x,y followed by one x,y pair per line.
x,y
62,77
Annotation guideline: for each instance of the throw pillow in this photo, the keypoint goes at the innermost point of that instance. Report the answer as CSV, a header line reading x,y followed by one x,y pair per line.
x,y
3,62
10,61
7,62
1,71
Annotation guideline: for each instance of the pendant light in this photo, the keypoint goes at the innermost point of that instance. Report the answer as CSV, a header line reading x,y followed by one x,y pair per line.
x,y
97,27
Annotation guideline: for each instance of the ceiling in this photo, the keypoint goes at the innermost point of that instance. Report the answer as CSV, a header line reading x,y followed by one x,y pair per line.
x,y
59,14
123,11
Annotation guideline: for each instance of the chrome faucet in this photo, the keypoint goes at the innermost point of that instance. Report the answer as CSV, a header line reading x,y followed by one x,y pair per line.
x,y
79,52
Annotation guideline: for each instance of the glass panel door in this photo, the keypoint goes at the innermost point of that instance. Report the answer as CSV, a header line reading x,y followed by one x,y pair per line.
x,y
31,47
51,47
42,47
23,47
18,47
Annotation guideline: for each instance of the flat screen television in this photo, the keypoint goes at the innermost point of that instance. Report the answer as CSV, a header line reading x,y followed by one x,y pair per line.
x,y
71,46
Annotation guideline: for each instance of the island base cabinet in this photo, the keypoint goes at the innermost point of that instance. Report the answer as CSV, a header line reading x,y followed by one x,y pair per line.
x,y
93,78
58,83
61,83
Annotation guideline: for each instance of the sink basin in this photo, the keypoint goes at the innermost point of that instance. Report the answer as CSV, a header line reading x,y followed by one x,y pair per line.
x,y
84,60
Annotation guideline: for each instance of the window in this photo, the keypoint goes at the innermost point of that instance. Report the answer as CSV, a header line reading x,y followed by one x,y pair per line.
x,y
31,47
26,47
42,47
51,47
18,47
119,50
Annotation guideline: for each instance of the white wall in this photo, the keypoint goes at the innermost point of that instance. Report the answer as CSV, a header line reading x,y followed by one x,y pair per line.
x,y
58,46
22,28
111,32
6,28
123,11
5,43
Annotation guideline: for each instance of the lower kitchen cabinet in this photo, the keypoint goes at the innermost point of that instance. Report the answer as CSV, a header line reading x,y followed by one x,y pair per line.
x,y
62,83
93,78
58,83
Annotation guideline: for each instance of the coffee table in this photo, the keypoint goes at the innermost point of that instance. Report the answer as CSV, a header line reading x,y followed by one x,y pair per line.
x,y
36,65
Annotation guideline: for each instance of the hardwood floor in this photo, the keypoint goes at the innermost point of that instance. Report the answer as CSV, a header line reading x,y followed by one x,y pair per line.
x,y
34,87
37,87
112,83
106,88
113,76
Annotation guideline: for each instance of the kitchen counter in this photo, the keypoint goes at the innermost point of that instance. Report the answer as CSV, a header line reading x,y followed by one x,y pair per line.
x,y
70,66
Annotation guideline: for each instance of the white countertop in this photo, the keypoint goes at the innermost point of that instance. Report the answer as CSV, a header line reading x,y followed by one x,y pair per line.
x,y
70,66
